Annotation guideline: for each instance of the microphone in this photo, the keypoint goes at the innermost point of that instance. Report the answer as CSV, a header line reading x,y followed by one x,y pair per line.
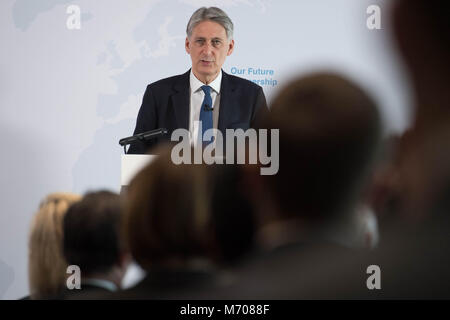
x,y
207,107
144,136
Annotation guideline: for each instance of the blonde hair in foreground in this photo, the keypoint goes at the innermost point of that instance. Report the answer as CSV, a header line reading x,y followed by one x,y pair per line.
x,y
46,263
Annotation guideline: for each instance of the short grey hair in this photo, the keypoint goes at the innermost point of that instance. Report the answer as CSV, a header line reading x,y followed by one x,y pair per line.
x,y
212,14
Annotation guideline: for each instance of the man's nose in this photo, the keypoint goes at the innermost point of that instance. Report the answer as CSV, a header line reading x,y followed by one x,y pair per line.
x,y
208,48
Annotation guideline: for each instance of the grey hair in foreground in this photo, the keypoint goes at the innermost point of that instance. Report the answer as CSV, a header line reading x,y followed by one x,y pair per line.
x,y
212,14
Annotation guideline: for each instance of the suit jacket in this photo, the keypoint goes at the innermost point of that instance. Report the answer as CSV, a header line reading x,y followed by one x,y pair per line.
x,y
166,105
413,264
283,272
87,292
166,284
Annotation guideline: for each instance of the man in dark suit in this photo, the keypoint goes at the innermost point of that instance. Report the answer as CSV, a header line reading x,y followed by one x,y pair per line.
x,y
205,94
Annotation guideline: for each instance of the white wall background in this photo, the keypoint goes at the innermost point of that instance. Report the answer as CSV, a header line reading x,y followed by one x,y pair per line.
x,y
67,96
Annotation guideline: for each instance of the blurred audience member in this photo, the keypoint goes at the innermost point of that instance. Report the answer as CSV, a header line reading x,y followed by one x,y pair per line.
x,y
412,261
329,133
169,231
232,214
383,192
422,31
92,242
46,263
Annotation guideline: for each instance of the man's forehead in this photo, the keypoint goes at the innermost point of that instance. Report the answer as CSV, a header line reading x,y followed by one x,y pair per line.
x,y
206,38
209,29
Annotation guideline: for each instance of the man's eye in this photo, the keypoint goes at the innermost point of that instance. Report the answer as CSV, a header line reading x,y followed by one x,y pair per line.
x,y
200,41
216,42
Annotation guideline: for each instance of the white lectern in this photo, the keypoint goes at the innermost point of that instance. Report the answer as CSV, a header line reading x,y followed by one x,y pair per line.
x,y
131,165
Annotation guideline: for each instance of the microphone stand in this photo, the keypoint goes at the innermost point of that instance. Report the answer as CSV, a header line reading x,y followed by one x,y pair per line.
x,y
144,136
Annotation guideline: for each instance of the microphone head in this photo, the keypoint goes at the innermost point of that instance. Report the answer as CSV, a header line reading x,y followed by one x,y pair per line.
x,y
207,107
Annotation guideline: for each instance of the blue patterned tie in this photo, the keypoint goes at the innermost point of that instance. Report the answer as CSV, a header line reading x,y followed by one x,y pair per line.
x,y
206,114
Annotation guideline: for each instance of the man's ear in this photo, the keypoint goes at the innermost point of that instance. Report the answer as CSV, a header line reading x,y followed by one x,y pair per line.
x,y
230,48
186,45
124,260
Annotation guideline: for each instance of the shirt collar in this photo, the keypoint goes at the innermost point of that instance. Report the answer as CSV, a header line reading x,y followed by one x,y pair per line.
x,y
196,84
105,284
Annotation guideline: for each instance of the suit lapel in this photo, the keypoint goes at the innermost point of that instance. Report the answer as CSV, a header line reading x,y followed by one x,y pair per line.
x,y
180,101
228,102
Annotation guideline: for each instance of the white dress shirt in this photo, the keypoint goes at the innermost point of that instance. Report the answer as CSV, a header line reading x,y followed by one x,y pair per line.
x,y
197,95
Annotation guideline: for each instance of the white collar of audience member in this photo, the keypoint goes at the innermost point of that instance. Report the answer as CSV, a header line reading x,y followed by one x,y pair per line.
x,y
102,283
